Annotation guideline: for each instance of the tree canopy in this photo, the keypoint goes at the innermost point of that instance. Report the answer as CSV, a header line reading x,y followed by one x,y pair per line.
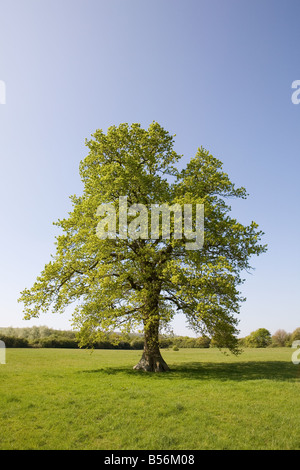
x,y
129,280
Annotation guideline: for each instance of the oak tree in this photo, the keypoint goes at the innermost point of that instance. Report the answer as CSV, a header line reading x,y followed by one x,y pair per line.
x,y
127,280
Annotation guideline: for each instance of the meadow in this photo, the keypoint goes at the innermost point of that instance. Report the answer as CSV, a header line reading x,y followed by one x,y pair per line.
x,y
78,399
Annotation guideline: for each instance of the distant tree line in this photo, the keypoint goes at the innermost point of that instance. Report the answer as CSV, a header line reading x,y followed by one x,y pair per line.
x,y
262,338
44,337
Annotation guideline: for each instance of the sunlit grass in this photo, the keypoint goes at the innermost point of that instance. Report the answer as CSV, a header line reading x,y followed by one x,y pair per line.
x,y
75,399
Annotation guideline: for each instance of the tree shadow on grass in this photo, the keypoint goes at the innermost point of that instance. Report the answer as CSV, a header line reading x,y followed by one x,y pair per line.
x,y
238,371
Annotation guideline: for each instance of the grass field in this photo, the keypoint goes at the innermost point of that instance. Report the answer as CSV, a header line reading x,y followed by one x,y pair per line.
x,y
75,399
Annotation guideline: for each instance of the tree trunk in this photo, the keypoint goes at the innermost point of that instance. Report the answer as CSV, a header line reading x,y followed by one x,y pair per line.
x,y
151,360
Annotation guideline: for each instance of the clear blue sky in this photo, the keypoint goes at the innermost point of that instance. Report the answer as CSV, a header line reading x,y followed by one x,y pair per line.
x,y
216,73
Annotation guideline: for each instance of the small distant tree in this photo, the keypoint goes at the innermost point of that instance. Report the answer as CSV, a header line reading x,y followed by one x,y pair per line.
x,y
260,338
280,338
295,335
203,342
137,343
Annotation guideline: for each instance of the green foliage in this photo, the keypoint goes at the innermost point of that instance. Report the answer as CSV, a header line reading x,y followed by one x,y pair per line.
x,y
202,342
13,342
37,332
44,337
295,335
131,282
260,338
137,343
53,342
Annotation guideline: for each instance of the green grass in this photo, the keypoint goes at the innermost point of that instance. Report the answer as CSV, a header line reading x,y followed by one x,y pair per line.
x,y
75,399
